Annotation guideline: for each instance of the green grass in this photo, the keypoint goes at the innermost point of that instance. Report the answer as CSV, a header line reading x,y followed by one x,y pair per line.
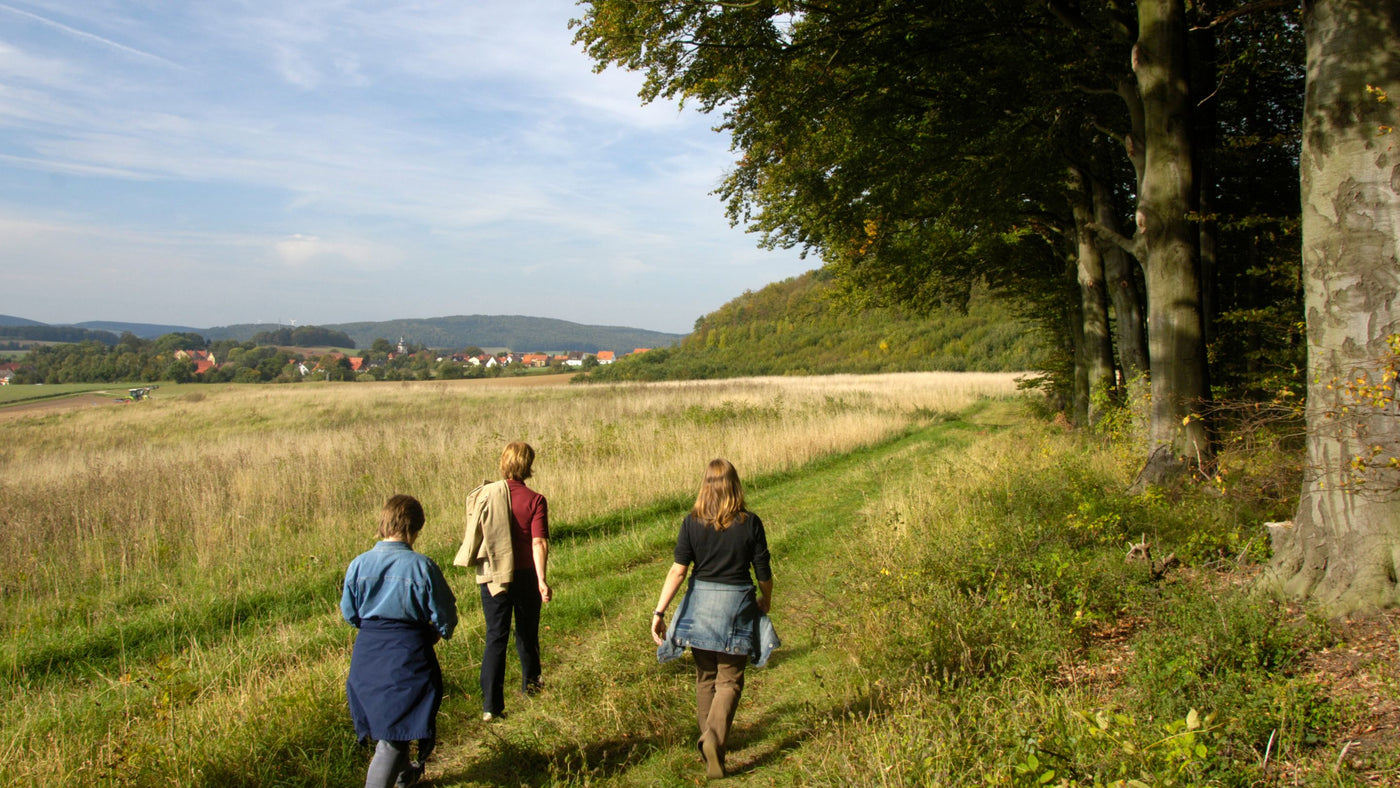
x,y
12,394
622,717
953,602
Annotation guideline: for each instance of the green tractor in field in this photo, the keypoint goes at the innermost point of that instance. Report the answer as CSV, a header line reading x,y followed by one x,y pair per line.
x,y
138,394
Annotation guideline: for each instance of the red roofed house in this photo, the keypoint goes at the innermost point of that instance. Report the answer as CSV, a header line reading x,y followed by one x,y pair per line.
x,y
606,357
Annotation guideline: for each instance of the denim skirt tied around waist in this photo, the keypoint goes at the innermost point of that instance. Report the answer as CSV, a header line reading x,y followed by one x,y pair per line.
x,y
395,684
720,617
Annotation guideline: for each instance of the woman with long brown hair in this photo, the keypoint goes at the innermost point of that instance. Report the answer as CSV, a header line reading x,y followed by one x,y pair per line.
x,y
720,618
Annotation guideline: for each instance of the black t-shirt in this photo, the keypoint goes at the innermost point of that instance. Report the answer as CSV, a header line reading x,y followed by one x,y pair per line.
x,y
725,556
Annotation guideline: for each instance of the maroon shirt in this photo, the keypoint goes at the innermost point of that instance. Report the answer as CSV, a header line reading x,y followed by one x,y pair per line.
x,y
529,520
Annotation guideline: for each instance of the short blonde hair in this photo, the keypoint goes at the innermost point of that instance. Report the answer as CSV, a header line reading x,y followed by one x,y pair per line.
x,y
721,497
401,517
516,461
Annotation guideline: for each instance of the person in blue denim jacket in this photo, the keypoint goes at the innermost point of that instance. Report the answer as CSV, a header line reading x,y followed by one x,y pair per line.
x,y
402,605
720,619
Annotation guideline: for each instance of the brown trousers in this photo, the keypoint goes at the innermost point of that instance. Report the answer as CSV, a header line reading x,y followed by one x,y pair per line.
x,y
719,681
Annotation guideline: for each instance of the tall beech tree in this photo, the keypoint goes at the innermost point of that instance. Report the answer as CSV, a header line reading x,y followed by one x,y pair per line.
x,y
1096,343
1168,241
906,144
1343,549
916,146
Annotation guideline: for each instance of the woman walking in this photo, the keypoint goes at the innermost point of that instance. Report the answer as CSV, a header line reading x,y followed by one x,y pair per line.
x,y
721,619
402,605
526,589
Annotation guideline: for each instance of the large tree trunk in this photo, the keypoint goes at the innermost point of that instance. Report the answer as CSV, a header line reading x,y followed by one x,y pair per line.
x,y
1121,279
1204,54
1177,434
1096,345
1343,550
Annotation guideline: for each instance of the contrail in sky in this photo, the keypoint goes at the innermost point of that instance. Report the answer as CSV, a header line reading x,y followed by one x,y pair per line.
x,y
84,34
72,168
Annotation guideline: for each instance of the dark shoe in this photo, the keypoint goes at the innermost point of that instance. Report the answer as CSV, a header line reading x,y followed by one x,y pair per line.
x,y
410,775
533,688
714,759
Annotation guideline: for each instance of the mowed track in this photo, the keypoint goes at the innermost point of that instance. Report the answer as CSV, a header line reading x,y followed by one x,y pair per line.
x,y
48,407
611,715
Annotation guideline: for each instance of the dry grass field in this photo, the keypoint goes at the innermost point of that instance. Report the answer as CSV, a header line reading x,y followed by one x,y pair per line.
x,y
950,589
173,565
203,478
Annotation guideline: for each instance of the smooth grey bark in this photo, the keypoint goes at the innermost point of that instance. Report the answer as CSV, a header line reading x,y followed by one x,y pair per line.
x,y
1342,551
1079,394
1177,435
1096,344
1121,282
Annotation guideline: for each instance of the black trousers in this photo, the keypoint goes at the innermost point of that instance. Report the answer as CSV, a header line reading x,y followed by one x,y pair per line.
x,y
521,599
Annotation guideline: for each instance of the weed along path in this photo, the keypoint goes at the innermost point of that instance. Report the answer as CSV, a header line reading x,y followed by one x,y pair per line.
x,y
611,715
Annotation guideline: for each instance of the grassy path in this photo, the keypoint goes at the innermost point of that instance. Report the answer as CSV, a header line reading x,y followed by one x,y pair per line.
x,y
611,715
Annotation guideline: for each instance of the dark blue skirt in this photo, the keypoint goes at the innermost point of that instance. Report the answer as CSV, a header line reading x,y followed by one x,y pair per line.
x,y
395,684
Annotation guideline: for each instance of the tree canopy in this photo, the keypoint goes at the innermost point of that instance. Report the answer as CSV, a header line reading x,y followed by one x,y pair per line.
x,y
305,336
922,148
801,326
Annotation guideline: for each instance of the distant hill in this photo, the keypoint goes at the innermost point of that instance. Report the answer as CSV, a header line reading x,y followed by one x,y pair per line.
x,y
42,332
143,330
240,331
515,332
797,327
11,320
507,331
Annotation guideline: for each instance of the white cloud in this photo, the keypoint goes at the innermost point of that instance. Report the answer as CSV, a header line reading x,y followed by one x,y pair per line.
x,y
304,250
355,138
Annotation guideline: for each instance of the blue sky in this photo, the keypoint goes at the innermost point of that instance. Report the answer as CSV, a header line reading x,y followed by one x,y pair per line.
x,y
331,161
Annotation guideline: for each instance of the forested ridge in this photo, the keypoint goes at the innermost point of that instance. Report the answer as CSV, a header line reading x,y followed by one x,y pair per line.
x,y
517,332
802,326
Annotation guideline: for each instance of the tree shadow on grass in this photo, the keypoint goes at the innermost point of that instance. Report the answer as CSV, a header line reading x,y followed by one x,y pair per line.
x,y
511,764
754,744
782,654
802,721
